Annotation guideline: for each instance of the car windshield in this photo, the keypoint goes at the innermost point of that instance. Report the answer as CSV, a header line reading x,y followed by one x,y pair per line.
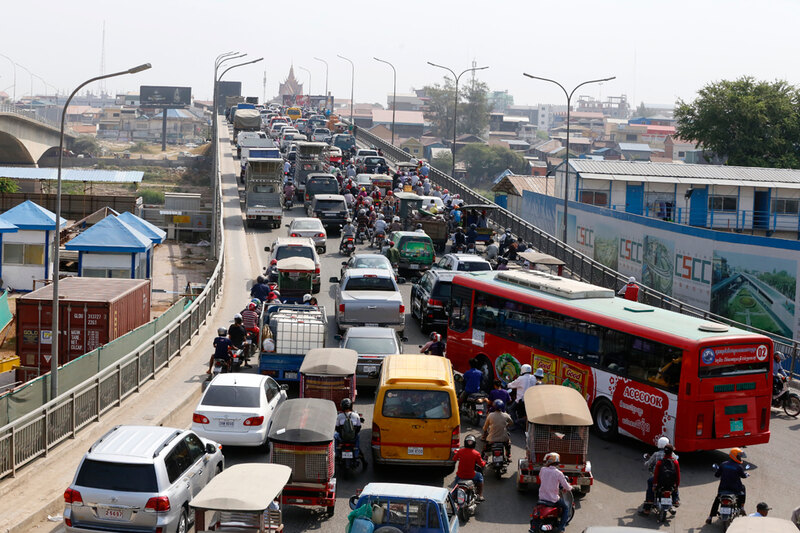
x,y
373,160
371,262
473,266
371,283
121,477
231,396
371,345
306,224
432,404
285,252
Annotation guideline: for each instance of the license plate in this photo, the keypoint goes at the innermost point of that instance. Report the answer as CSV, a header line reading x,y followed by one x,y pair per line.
x,y
371,324
666,501
225,423
497,458
290,375
725,510
369,369
114,514
413,266
347,455
737,425
415,450
330,214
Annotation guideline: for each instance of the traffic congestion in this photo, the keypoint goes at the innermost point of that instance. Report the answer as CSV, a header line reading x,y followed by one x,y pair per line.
x,y
417,369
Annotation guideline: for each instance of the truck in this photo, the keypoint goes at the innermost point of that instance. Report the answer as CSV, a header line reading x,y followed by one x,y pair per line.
x,y
245,120
369,297
262,200
295,330
310,159
255,144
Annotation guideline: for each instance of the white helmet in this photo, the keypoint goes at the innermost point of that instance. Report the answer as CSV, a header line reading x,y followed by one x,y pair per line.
x,y
526,369
663,441
552,458
539,373
306,297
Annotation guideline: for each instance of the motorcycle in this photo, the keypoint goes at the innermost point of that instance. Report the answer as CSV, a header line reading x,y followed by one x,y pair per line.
x,y
347,246
220,367
786,398
463,493
349,459
547,517
249,346
361,234
378,240
497,459
728,503
288,202
237,359
663,503
472,409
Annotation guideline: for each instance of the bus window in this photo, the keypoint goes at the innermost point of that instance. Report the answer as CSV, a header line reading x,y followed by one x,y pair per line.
x,y
461,304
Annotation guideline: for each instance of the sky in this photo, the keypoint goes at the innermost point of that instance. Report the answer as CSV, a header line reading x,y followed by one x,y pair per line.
x,y
658,51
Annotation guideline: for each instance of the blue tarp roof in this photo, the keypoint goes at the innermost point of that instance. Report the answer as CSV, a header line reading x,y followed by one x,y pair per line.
x,y
110,235
7,227
147,229
31,216
502,175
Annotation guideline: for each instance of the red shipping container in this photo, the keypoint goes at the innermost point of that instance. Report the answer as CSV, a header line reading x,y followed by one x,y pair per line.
x,y
92,312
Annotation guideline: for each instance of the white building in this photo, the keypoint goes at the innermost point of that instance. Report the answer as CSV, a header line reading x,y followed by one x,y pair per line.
x,y
26,252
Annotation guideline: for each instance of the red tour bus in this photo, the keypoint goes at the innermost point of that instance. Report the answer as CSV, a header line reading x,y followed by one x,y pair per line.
x,y
645,372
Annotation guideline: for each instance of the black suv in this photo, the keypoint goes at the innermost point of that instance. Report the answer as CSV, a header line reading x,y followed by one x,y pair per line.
x,y
430,300
331,209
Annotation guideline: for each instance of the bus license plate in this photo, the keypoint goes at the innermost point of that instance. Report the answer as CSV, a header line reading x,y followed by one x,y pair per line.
x,y
415,450
347,455
737,425
413,266
290,375
666,501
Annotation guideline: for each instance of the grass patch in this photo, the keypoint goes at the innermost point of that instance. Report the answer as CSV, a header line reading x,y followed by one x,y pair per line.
x,y
152,196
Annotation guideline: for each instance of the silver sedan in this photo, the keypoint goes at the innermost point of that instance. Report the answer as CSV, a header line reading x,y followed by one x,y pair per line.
x,y
311,228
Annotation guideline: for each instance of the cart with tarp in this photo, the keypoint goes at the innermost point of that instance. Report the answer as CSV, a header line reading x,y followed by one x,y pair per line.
x,y
548,262
295,278
330,374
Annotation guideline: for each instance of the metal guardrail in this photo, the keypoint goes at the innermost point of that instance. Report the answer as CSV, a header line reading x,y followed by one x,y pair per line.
x,y
31,115
577,264
38,432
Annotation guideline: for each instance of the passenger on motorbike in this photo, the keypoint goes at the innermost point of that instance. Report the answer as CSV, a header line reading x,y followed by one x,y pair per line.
x,y
237,334
472,235
347,418
435,346
472,381
380,225
730,474
651,463
551,479
666,476
467,457
260,289
250,317
222,346
491,250
396,225
459,239
288,190
495,429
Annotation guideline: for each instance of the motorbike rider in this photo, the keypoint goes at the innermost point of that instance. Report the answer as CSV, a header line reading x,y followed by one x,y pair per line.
x,y
274,297
472,236
491,250
435,346
762,510
667,473
523,382
418,228
288,190
348,425
468,457
348,231
237,335
730,474
495,429
260,289
651,463
502,263
472,380
393,254
550,480
222,346
250,316
505,240
778,373
459,239
396,225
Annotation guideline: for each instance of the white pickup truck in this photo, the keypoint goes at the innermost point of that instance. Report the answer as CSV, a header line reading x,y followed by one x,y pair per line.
x,y
369,297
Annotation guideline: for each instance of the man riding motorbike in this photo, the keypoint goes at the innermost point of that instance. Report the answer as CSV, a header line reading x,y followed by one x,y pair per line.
x,y
666,475
260,289
495,429
459,239
467,457
730,474
237,335
222,346
550,480
396,225
523,382
472,236
348,231
651,463
250,317
288,191
435,346
348,426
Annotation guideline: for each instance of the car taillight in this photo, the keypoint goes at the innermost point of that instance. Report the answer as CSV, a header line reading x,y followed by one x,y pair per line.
x,y
341,308
376,435
254,421
320,234
159,504
402,309
455,438
435,303
72,496
307,197
295,235
700,420
197,418
316,270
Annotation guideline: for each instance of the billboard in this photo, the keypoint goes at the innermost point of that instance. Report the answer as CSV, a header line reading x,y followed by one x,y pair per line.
x,y
163,96
225,89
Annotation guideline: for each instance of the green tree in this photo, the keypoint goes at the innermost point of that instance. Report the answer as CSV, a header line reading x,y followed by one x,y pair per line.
x,y
440,108
443,162
473,114
473,107
8,185
86,144
643,111
484,163
749,122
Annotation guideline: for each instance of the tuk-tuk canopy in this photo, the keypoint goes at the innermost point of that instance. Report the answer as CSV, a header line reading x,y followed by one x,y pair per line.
x,y
766,524
407,196
540,259
556,405
330,362
303,420
296,263
245,487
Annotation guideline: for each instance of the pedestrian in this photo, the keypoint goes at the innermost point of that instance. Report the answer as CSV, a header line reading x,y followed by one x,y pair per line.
x,y
762,510
630,291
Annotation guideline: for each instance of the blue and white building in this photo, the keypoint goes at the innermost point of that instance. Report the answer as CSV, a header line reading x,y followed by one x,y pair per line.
x,y
26,252
112,248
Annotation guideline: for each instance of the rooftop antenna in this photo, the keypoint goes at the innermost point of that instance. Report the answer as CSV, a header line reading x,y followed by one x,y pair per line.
x,y
103,60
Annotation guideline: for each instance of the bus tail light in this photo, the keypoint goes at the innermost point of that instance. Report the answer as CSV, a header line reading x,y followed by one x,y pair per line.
x,y
376,434
700,420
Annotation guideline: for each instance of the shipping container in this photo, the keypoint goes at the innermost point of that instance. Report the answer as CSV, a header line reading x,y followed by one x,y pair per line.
x,y
92,312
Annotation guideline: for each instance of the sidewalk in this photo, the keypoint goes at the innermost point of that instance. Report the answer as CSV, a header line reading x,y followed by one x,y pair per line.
x,y
38,489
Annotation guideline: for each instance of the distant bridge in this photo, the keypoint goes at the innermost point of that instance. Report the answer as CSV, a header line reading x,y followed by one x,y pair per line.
x,y
24,138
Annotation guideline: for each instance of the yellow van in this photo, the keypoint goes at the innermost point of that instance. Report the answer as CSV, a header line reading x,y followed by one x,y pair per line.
x,y
294,113
415,419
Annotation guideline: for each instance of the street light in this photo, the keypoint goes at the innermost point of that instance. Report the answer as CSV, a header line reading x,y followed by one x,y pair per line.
x,y
30,104
56,239
14,66
326,80
455,109
566,161
352,83
309,78
394,93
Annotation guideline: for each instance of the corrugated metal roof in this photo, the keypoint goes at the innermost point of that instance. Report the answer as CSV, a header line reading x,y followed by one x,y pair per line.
x,y
688,174
635,147
72,174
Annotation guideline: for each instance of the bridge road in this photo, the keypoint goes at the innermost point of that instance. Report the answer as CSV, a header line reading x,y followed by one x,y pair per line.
x,y
619,474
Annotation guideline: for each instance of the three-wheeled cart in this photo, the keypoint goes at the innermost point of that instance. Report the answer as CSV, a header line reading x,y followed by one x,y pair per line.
x,y
436,228
295,330
558,421
295,278
301,437
330,374
242,498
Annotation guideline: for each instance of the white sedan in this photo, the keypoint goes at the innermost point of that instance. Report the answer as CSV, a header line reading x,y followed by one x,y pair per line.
x,y
311,228
236,409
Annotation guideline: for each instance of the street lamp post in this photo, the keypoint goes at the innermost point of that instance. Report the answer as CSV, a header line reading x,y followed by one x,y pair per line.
x,y
54,339
309,78
394,93
352,83
326,80
30,103
566,160
455,109
14,66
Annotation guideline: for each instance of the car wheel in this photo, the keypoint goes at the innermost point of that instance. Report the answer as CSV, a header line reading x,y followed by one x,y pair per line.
x,y
183,523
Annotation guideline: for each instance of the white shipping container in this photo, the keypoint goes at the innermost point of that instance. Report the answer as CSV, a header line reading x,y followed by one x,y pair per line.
x,y
298,335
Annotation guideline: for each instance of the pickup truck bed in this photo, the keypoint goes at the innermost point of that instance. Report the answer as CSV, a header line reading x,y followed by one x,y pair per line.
x,y
264,209
363,307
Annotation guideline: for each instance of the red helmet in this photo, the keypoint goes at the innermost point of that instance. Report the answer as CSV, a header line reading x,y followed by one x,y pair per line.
x,y
389,193
271,296
273,262
252,306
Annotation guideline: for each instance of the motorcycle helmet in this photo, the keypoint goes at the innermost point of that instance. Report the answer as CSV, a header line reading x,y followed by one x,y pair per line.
x,y
271,296
277,293
260,279
539,373
237,317
273,262
348,220
663,441
737,454
470,441
222,332
391,243
419,226
380,216
473,226
251,306
499,405
389,193
433,335
256,301
306,298
526,369
437,337
346,404
396,219
552,458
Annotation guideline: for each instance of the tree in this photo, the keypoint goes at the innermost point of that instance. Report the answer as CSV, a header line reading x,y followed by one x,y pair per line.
x,y
485,162
473,107
749,122
473,117
440,108
8,185
86,144
443,162
643,111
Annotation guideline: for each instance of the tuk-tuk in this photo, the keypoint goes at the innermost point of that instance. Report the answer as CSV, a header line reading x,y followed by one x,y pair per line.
x,y
558,421
295,278
330,374
243,498
484,234
535,259
402,507
407,203
758,524
407,167
383,182
301,437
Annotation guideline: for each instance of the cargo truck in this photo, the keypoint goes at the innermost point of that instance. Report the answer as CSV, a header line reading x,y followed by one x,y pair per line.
x,y
263,184
245,120
310,159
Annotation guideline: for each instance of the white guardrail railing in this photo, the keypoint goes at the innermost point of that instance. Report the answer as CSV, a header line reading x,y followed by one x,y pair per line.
x,y
36,433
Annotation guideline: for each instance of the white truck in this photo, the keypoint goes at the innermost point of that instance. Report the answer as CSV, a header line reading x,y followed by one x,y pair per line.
x,y
310,158
369,297
263,190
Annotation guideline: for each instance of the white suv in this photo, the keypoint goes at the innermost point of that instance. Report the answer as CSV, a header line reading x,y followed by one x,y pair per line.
x,y
285,247
140,478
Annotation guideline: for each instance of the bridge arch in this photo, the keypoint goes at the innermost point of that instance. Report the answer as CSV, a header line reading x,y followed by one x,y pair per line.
x,y
13,152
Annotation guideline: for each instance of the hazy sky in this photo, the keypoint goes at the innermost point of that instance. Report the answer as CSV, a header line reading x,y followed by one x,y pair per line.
x,y
659,51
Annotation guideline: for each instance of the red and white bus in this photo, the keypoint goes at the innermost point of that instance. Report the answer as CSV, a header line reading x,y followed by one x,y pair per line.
x,y
645,372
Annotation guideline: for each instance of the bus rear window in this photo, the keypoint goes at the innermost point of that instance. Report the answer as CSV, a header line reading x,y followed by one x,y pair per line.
x,y
733,370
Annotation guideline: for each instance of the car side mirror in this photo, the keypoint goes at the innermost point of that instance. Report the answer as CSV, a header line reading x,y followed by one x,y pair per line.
x,y
266,248
344,263
403,339
284,387
353,501
287,225
333,279
210,448
401,281
338,338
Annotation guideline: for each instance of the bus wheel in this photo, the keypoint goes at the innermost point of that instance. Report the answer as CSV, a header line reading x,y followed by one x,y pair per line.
x,y
605,419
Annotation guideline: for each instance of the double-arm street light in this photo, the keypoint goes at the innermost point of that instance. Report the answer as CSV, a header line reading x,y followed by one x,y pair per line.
x,y
394,93
326,80
352,83
57,238
455,109
566,161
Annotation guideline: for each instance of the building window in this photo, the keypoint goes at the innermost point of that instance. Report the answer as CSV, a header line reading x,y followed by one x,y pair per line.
x,y
722,203
681,154
23,254
594,198
785,206
93,273
630,137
